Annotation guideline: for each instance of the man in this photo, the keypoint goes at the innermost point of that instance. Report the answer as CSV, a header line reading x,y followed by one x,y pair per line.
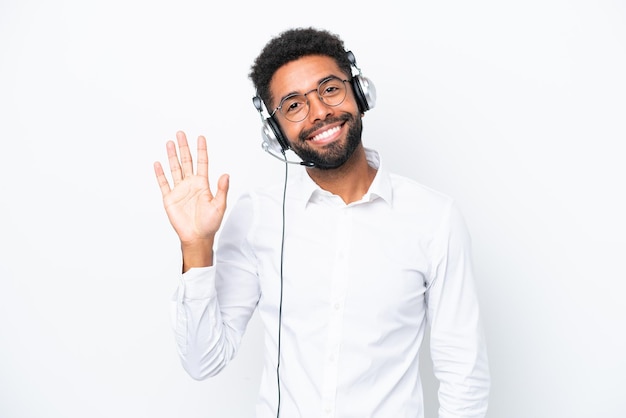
x,y
346,263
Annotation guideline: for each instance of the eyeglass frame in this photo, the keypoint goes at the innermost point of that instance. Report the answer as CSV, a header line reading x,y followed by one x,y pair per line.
x,y
319,96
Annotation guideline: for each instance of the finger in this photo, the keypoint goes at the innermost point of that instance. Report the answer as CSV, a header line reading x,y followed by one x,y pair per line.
x,y
185,154
161,179
172,159
222,190
203,158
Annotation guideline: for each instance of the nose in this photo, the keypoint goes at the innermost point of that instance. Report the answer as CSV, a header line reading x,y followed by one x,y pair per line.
x,y
318,110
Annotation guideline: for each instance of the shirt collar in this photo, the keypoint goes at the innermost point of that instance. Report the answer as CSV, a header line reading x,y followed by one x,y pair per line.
x,y
306,190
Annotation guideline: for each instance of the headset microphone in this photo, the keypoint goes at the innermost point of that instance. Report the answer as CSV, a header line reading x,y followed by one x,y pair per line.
x,y
267,148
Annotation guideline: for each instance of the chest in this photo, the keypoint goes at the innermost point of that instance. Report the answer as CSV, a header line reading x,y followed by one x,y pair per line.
x,y
372,262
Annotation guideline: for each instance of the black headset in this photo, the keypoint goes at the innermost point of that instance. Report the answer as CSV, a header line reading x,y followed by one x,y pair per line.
x,y
275,142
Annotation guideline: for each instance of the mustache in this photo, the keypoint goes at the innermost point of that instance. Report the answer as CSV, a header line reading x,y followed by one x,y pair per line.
x,y
345,117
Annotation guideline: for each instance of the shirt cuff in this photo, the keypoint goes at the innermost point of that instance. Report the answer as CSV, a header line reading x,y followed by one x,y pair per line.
x,y
199,282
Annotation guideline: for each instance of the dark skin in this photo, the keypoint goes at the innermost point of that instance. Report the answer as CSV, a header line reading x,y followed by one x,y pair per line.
x,y
196,213
193,210
351,180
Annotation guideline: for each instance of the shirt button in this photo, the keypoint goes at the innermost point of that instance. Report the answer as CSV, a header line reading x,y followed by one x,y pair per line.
x,y
337,306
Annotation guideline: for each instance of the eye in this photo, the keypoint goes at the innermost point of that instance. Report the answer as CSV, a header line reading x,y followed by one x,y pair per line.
x,y
331,87
293,104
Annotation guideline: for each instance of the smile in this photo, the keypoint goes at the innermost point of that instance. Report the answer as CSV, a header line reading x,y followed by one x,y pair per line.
x,y
326,134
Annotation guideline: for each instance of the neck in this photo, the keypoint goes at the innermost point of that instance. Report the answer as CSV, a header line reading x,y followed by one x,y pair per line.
x,y
350,181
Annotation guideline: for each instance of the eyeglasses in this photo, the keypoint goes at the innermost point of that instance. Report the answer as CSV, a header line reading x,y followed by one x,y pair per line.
x,y
295,107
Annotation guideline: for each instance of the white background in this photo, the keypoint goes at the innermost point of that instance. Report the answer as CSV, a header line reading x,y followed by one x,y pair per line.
x,y
516,109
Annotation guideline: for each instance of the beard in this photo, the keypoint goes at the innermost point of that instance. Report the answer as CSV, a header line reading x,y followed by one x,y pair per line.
x,y
334,154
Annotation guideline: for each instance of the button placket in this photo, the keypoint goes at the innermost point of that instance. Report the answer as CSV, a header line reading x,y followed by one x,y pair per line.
x,y
338,294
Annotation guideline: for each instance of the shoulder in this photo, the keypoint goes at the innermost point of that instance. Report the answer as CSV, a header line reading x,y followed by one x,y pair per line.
x,y
409,193
433,209
260,199
403,192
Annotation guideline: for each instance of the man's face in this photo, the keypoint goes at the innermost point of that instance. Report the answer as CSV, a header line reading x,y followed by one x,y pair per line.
x,y
328,135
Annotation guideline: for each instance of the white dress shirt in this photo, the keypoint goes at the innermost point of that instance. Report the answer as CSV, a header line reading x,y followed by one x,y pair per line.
x,y
361,282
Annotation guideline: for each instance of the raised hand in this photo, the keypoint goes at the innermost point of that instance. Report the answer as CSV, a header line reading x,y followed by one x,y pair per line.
x,y
192,209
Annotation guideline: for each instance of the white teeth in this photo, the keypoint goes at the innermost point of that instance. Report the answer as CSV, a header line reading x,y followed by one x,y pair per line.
x,y
326,134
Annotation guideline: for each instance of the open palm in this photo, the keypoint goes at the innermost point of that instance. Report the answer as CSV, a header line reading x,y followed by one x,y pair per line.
x,y
192,209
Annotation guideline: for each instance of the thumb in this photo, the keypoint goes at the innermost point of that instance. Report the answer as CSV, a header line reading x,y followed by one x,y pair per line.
x,y
222,189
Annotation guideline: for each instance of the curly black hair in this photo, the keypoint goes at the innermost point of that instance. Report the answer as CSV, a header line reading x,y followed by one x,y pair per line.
x,y
291,45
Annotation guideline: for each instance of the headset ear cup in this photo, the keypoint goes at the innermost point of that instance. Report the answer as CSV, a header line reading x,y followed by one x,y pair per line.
x,y
273,136
365,92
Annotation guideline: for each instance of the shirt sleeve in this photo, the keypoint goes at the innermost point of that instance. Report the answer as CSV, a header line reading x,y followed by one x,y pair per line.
x,y
457,342
213,305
